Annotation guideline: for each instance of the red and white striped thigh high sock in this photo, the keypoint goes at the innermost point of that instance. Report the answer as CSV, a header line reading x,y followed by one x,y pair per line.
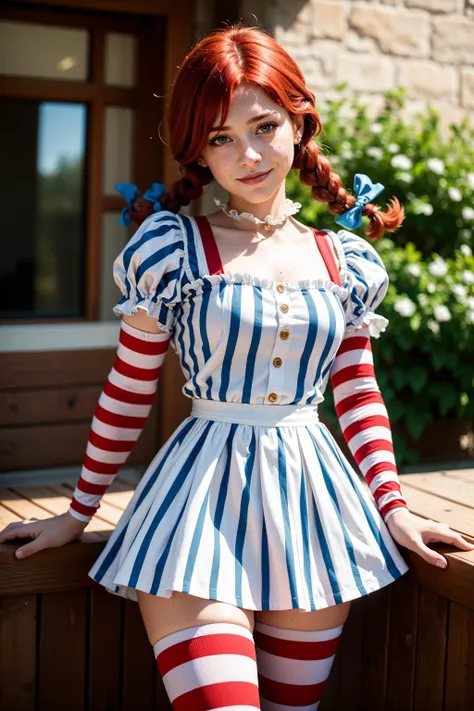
x,y
211,666
293,666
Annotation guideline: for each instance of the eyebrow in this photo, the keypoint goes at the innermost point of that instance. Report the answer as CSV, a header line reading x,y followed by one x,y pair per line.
x,y
252,120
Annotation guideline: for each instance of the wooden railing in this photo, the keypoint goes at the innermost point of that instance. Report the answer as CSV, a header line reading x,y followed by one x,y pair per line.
x,y
65,643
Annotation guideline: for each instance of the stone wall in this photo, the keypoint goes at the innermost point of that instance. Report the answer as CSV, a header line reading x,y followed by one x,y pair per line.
x,y
425,45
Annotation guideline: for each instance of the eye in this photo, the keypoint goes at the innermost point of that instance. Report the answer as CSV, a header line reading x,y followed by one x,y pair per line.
x,y
213,142
271,124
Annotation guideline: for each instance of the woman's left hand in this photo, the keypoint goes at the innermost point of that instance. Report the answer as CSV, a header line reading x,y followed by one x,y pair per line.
x,y
414,532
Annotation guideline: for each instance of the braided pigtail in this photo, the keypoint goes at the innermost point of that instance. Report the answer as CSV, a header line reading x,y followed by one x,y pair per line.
x,y
187,188
315,171
157,198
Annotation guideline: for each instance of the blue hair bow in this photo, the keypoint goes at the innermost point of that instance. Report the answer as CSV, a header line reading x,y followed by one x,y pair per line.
x,y
365,192
154,193
130,193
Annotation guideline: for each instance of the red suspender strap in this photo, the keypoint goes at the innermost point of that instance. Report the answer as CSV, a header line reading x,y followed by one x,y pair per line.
x,y
322,240
213,259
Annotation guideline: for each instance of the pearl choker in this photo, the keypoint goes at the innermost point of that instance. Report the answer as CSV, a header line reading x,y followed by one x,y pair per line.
x,y
290,208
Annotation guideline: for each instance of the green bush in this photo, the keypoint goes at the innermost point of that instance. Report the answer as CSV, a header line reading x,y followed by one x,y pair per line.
x,y
432,175
424,359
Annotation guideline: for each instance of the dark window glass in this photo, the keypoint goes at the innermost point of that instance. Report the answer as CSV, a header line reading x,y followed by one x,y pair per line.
x,y
42,167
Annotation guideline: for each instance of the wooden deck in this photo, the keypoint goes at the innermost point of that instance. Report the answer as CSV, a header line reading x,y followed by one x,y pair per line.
x,y
408,646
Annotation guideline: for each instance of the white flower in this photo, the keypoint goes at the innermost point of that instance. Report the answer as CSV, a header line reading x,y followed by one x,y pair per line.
x,y
347,155
470,316
455,194
438,267
436,165
402,162
376,128
414,270
394,148
405,306
466,250
470,180
468,213
423,300
460,291
430,288
441,313
468,276
406,177
433,326
375,152
470,302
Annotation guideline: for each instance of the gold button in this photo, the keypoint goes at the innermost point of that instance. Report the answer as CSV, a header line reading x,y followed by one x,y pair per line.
x,y
273,397
277,362
281,288
284,334
284,308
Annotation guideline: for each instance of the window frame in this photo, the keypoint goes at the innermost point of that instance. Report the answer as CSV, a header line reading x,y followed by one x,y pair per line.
x,y
146,100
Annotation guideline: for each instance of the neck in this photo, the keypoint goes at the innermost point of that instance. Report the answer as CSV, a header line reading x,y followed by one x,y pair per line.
x,y
273,206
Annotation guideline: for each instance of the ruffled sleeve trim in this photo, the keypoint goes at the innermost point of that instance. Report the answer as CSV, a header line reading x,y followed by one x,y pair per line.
x,y
365,278
149,270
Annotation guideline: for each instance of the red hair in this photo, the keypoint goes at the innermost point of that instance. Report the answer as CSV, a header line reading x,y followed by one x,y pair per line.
x,y
218,65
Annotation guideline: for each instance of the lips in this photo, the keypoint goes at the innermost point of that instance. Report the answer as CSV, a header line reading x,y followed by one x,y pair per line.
x,y
254,176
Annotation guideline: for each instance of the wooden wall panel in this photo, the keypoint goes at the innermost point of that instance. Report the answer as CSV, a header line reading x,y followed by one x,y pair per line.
x,y
402,644
41,406
62,651
45,417
18,653
138,666
56,445
431,651
104,650
459,690
20,371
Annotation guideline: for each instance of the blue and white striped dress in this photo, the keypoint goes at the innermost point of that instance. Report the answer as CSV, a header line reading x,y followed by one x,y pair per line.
x,y
250,501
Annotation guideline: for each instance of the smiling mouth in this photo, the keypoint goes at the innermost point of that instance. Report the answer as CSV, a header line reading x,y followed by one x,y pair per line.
x,y
251,178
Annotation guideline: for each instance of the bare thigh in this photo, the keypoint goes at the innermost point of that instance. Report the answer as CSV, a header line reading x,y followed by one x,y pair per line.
x,y
300,620
163,616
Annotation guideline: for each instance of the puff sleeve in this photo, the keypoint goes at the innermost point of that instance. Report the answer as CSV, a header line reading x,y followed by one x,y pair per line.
x,y
364,276
149,269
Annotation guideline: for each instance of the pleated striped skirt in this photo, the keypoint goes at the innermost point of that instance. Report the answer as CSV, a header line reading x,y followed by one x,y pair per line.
x,y
253,505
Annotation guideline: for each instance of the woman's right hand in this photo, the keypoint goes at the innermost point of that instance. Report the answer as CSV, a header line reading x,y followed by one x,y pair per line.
x,y
44,533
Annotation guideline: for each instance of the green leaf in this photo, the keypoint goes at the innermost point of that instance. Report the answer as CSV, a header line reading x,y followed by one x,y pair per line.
x,y
399,377
415,424
417,377
448,399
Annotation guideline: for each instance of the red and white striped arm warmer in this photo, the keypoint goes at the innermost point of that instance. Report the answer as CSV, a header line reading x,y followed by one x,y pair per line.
x,y
364,420
120,415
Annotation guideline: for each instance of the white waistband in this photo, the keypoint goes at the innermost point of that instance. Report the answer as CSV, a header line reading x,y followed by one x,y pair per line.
x,y
263,415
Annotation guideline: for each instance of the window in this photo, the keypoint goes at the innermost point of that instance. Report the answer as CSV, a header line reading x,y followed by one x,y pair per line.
x,y
42,163
75,116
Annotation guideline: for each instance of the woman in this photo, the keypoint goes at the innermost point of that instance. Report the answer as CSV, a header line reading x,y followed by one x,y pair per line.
x,y
250,533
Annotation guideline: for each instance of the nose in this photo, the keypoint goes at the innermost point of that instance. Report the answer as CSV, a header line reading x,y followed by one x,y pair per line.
x,y
249,156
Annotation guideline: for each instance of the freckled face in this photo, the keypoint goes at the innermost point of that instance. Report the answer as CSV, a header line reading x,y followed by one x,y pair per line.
x,y
251,146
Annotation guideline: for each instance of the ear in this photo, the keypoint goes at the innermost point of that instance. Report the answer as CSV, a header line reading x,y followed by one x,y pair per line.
x,y
298,127
202,162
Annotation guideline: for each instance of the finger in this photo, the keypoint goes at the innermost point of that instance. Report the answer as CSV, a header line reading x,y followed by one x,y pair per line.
x,y
448,536
431,556
31,548
18,532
